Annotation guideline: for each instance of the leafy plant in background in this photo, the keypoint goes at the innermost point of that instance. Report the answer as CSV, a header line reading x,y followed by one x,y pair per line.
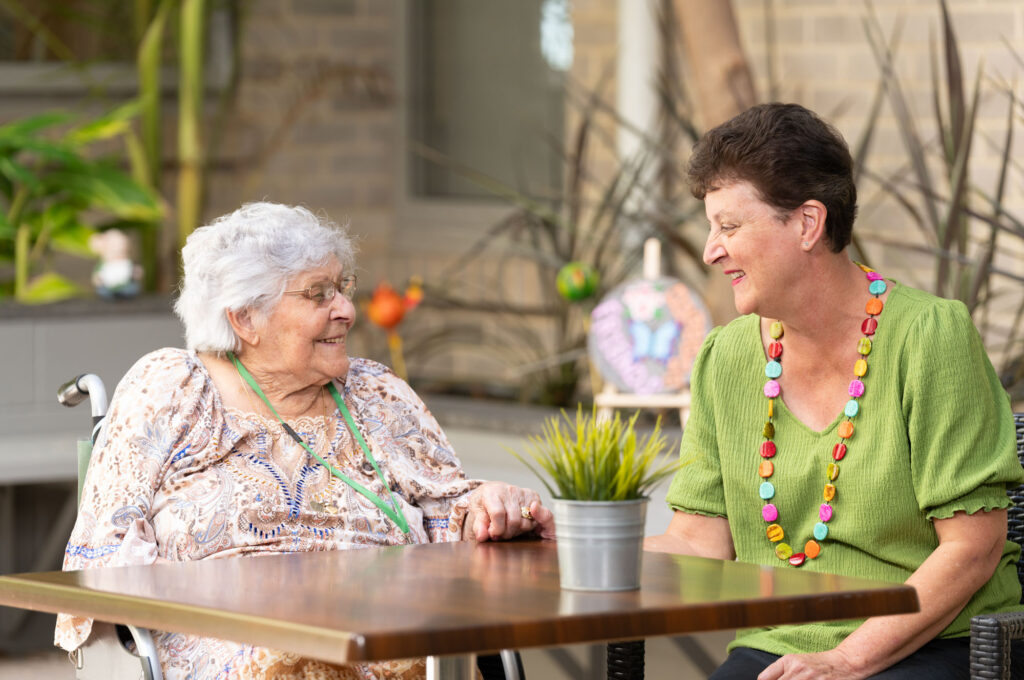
x,y
594,459
962,224
55,196
152,22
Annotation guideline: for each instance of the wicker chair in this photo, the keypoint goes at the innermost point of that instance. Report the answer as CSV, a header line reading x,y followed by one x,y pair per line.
x,y
991,633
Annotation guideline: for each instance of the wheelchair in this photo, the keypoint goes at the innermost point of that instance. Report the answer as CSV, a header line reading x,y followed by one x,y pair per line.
x,y
122,652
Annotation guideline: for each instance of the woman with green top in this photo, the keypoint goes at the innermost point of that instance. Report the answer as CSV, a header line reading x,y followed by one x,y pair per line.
x,y
265,437
845,423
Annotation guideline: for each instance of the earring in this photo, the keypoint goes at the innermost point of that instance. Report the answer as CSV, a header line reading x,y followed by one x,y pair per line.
x,y
806,243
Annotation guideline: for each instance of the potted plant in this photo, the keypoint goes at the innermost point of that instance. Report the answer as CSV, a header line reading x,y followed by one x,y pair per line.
x,y
599,473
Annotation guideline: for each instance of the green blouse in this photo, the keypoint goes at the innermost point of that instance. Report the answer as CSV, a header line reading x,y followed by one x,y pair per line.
x,y
934,435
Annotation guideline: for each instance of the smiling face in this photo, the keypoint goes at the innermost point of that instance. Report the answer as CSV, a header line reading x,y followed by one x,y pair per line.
x,y
750,244
300,341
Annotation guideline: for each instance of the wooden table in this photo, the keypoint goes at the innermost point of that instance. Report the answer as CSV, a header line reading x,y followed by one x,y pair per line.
x,y
443,599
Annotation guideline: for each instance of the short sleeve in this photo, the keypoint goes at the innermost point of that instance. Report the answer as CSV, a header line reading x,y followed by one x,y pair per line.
x,y
697,487
959,422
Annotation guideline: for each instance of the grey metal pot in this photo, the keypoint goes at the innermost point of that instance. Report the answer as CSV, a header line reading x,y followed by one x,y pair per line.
x,y
600,543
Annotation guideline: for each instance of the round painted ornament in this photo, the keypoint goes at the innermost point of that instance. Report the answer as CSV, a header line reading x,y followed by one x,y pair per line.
x,y
645,334
577,281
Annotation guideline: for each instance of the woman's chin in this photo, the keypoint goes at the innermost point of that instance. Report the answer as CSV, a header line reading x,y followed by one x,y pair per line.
x,y
336,365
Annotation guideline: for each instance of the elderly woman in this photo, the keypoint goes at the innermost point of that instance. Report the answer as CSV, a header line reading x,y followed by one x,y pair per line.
x,y
784,400
264,437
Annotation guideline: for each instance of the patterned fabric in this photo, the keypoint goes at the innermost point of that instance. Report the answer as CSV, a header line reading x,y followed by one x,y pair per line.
x,y
177,476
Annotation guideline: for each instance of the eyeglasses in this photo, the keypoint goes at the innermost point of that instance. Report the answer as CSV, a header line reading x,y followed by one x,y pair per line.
x,y
323,292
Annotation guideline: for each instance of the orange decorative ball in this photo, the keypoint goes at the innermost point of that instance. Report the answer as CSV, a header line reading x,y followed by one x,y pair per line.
x,y
386,307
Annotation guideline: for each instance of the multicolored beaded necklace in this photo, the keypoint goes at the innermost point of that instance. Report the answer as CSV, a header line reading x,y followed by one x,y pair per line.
x,y
770,513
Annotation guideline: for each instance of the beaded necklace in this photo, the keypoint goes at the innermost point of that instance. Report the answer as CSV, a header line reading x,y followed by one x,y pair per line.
x,y
769,512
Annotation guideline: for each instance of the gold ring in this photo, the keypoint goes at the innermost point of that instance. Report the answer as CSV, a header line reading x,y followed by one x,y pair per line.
x,y
525,512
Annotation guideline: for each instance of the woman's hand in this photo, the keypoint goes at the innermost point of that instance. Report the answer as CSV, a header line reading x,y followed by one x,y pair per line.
x,y
830,665
496,513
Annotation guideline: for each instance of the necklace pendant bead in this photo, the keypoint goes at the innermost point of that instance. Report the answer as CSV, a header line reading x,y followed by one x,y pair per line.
x,y
871,274
824,514
769,430
864,346
768,449
821,530
775,329
774,350
773,369
877,287
839,451
772,389
775,532
851,408
832,471
766,469
812,549
797,559
846,429
771,408
860,367
874,307
770,513
869,326
783,551
766,491
830,492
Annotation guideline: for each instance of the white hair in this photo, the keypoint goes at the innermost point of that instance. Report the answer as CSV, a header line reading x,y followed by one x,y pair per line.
x,y
243,260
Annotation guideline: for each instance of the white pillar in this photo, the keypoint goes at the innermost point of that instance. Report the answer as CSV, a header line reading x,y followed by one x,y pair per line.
x,y
636,84
637,70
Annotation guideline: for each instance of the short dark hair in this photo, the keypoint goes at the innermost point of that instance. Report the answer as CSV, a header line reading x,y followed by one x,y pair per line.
x,y
790,155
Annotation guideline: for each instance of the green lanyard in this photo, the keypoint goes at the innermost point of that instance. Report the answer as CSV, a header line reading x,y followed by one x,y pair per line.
x,y
394,511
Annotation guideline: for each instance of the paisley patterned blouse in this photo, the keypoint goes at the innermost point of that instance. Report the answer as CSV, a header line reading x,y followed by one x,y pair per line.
x,y
177,476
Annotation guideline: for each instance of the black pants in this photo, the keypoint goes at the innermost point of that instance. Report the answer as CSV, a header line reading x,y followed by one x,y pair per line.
x,y
937,660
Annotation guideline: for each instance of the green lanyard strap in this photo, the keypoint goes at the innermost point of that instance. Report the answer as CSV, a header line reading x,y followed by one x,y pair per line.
x,y
394,511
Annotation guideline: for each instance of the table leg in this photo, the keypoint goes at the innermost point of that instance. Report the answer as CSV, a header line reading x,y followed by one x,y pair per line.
x,y
626,660
8,617
462,667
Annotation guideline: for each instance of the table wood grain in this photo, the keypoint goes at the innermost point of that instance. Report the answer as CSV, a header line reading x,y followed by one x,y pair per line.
x,y
441,599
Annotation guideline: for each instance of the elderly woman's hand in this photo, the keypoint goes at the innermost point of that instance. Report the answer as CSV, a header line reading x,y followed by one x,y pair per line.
x,y
496,513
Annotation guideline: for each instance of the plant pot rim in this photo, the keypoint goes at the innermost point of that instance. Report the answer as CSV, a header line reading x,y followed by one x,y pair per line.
x,y
642,499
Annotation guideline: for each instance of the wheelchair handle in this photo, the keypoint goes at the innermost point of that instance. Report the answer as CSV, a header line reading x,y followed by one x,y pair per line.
x,y
74,392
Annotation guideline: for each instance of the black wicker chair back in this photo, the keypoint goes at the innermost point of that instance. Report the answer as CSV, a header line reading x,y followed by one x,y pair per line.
x,y
992,634
1015,514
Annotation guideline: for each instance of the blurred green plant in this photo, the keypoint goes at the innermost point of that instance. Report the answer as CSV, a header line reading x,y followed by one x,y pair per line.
x,y
154,23
55,196
962,225
600,221
595,459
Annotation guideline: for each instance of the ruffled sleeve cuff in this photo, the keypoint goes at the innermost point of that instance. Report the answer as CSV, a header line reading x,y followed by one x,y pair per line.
x,y
987,497
456,520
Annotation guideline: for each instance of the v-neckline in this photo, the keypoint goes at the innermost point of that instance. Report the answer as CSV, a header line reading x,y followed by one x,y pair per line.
x,y
780,402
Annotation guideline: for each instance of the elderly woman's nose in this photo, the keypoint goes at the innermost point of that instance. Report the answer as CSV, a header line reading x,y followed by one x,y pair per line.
x,y
342,307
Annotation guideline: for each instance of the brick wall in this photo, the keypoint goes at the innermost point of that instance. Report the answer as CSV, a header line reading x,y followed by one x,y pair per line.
x,y
822,58
318,121
815,52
